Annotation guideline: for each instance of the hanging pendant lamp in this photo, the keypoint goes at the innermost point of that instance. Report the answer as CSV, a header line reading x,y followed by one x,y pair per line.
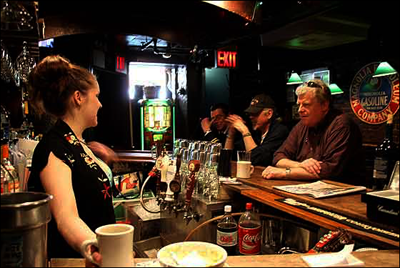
x,y
384,69
294,79
335,89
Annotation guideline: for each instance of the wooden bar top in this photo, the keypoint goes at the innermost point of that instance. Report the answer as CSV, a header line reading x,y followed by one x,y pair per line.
x,y
380,258
349,205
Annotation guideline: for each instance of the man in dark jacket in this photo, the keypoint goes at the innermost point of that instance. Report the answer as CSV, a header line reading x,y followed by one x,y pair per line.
x,y
215,130
268,134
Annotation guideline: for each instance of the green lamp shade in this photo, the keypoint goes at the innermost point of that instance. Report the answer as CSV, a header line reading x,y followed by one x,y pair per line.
x,y
384,69
294,79
335,90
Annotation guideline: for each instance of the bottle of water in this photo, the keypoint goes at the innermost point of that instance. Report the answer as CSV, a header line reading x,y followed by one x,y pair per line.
x,y
212,187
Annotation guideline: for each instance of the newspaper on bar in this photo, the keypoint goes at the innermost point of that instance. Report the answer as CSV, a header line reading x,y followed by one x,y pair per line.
x,y
320,189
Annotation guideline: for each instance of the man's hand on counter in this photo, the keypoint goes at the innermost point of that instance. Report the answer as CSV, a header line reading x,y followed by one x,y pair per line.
x,y
296,173
274,173
311,165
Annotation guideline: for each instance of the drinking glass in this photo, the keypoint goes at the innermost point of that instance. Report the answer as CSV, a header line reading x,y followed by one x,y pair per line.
x,y
224,163
7,68
15,17
24,63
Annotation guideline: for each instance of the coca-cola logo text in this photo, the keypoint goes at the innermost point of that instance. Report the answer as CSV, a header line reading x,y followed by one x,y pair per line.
x,y
252,238
226,239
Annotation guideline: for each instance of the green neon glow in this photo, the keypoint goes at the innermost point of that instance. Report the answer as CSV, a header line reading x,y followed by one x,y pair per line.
x,y
161,130
158,137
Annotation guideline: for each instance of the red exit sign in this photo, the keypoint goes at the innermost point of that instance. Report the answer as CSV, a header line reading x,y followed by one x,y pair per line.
x,y
226,59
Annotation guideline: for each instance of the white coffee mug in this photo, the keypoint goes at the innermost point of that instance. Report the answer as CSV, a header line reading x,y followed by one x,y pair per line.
x,y
115,244
244,169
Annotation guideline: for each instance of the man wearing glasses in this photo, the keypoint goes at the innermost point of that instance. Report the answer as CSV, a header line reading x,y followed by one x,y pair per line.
x,y
215,129
268,133
325,144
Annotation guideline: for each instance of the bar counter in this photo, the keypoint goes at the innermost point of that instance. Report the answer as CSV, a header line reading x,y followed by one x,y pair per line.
x,y
381,258
349,205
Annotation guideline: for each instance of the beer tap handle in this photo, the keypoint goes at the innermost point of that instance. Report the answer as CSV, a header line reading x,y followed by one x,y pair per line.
x,y
193,166
178,162
175,184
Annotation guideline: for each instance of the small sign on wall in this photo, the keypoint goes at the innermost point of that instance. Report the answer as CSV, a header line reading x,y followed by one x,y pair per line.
x,y
120,64
226,59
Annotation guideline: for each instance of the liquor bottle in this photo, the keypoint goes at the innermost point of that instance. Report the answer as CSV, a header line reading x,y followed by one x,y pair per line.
x,y
5,125
227,232
249,232
9,174
385,158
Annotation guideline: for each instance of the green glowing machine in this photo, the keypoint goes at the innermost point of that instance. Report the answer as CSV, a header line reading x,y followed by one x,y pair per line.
x,y
157,122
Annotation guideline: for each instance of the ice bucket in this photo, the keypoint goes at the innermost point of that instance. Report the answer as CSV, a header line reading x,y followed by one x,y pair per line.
x,y
24,219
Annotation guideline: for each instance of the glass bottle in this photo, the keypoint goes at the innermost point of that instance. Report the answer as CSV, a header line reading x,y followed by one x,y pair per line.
x,y
184,172
201,174
9,174
385,158
24,63
211,185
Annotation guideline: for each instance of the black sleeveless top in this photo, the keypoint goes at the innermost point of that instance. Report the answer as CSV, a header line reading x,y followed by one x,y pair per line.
x,y
91,185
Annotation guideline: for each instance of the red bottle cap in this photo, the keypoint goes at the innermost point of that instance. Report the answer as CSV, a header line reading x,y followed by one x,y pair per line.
x,y
249,206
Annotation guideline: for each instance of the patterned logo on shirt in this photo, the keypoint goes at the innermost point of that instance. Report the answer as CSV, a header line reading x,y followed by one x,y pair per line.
x,y
71,138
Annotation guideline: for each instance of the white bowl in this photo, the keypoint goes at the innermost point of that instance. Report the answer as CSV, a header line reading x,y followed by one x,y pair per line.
x,y
192,254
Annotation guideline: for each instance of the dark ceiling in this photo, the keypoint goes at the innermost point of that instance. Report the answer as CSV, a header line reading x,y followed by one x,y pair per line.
x,y
301,25
313,25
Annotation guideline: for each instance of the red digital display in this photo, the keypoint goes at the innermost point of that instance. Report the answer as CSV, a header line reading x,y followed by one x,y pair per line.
x,y
226,59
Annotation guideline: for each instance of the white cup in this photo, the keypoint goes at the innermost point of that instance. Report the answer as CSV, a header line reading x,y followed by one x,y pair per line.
x,y
243,167
115,244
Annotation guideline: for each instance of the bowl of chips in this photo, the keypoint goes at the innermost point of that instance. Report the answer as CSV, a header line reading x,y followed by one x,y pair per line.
x,y
192,254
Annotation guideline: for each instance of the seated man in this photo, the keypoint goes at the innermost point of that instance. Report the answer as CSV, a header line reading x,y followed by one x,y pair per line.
x,y
325,144
215,129
270,134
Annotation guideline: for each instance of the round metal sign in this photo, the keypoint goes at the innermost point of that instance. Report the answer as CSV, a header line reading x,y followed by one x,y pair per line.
x,y
373,99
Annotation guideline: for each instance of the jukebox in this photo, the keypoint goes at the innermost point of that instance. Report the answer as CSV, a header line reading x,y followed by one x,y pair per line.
x,y
157,122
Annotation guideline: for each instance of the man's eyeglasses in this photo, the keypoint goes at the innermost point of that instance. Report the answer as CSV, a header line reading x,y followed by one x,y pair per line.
x,y
312,84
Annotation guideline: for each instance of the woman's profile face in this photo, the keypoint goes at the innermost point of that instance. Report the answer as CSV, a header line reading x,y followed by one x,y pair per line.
x,y
91,105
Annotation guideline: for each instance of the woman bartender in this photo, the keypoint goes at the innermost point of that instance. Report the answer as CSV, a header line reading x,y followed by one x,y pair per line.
x,y
63,164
